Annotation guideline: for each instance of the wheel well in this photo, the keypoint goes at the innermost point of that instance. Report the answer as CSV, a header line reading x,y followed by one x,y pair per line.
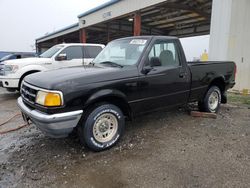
x,y
220,83
117,101
25,74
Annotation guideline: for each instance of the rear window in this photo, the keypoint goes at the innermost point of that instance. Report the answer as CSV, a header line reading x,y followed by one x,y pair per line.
x,y
91,51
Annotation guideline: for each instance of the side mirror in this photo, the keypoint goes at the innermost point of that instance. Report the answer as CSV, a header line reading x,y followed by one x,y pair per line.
x,y
147,69
155,62
61,57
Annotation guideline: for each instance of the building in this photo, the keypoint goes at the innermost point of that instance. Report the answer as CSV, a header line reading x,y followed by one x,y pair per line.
x,y
226,19
121,18
230,37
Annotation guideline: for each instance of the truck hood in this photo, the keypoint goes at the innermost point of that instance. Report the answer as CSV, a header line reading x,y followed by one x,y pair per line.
x,y
27,61
78,77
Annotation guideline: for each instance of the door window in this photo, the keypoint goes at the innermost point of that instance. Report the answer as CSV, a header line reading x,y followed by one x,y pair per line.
x,y
91,51
73,52
164,53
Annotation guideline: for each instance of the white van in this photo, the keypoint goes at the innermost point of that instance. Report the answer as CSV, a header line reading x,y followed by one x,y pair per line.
x,y
12,72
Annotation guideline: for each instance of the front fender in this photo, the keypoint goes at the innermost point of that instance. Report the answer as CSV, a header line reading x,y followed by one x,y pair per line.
x,y
105,93
29,68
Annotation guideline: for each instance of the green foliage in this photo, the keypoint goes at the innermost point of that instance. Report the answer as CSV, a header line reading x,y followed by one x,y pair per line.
x,y
238,98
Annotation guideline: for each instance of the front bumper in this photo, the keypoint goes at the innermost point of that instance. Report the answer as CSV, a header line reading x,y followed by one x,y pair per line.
x,y
55,125
9,82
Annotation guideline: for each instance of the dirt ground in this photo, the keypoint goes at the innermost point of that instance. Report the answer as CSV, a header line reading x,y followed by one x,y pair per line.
x,y
164,149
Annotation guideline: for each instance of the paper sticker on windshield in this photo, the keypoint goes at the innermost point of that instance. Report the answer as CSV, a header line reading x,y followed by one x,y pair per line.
x,y
138,41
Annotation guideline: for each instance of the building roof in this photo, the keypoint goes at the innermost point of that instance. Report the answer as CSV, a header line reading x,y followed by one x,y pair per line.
x,y
111,2
59,31
76,25
180,18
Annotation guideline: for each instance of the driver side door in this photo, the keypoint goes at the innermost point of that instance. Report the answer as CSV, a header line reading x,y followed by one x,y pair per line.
x,y
73,56
167,84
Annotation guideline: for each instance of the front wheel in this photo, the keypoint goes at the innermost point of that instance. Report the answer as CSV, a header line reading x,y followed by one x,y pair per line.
x,y
212,100
102,127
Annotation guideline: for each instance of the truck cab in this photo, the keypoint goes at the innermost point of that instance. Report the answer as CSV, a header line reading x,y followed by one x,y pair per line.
x,y
59,56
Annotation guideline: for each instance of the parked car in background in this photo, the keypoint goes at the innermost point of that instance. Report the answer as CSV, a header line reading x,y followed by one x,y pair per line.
x,y
130,77
59,56
3,53
17,56
12,56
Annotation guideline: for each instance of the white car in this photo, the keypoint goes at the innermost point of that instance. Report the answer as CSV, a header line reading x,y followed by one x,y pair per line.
x,y
12,72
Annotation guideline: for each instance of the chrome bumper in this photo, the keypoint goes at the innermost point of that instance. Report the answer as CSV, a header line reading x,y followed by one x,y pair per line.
x,y
55,125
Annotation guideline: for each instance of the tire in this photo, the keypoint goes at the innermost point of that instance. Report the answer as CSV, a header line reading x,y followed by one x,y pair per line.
x,y
212,100
102,127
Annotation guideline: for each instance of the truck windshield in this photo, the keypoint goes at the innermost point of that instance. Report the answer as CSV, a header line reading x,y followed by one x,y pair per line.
x,y
125,52
52,51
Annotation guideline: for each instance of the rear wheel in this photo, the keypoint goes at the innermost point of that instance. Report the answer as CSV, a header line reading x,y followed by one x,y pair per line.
x,y
212,100
102,127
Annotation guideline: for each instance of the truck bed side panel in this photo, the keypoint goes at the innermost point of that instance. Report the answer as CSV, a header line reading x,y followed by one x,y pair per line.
x,y
203,73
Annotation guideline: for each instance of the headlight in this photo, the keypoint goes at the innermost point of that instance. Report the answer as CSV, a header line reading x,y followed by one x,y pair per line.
x,y
10,68
48,98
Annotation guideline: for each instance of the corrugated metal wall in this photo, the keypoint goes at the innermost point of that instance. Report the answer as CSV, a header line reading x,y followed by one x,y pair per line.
x,y
230,37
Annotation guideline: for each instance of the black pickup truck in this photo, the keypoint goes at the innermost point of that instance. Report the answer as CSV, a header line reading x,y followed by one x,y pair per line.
x,y
130,77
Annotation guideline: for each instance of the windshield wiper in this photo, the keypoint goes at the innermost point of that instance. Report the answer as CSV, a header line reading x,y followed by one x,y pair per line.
x,y
111,63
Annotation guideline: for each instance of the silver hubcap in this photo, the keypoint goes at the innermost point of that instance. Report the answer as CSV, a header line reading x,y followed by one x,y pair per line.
x,y
213,100
105,127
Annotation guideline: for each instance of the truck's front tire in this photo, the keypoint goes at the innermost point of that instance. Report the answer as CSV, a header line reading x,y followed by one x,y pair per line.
x,y
101,127
212,100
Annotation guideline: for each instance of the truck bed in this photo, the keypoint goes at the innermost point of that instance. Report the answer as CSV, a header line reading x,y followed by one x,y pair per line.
x,y
203,72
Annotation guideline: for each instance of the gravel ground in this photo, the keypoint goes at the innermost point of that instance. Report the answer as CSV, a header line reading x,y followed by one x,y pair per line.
x,y
164,149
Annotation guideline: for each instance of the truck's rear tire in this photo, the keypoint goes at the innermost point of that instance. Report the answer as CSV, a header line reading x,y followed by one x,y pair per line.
x,y
212,100
101,127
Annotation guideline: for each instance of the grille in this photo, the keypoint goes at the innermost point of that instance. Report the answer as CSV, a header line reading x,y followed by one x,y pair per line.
x,y
28,93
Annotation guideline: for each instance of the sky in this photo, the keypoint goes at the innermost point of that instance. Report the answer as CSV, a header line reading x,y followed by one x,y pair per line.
x,y
22,21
